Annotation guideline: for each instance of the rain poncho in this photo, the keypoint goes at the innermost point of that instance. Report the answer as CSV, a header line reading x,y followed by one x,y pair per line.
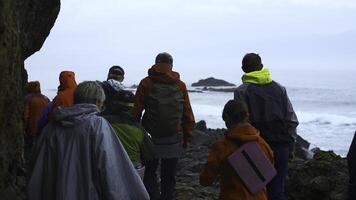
x,y
78,156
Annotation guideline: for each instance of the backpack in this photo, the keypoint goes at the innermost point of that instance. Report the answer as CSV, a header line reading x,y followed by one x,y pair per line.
x,y
252,165
114,99
163,110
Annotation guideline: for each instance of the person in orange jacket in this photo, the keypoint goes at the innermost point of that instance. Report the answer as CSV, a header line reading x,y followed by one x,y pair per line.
x,y
235,115
35,102
168,118
67,85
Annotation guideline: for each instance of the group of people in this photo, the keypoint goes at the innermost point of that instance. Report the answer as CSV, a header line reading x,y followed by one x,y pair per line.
x,y
96,140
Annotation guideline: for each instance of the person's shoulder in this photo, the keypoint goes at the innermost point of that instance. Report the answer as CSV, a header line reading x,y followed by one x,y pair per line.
x,y
181,84
243,87
145,82
99,125
278,84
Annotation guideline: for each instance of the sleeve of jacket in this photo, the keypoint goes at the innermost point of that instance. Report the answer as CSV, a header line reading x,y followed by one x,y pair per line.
x,y
188,121
116,174
212,167
291,118
140,94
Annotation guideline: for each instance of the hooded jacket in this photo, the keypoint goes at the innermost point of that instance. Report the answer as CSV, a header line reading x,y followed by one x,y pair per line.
x,y
78,156
271,111
67,85
35,102
162,73
231,186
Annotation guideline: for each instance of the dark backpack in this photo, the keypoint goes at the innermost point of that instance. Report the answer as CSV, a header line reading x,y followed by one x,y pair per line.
x,y
163,110
114,99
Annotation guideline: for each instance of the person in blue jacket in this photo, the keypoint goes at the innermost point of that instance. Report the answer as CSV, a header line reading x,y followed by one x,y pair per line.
x,y
271,112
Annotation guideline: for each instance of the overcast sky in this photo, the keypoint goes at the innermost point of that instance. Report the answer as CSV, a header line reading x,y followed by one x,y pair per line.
x,y
206,37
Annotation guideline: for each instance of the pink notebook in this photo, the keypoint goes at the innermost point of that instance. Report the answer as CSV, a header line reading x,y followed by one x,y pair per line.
x,y
252,166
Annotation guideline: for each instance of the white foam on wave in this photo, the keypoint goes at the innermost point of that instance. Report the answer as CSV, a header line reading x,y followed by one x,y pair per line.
x,y
327,118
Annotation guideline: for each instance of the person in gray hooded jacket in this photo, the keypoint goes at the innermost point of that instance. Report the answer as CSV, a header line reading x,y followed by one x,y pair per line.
x,y
78,155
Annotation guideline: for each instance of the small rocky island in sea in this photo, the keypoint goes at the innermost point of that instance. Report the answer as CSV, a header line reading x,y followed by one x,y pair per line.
x,y
213,84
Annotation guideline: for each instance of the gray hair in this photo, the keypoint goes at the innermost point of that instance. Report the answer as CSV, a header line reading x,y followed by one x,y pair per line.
x,y
89,92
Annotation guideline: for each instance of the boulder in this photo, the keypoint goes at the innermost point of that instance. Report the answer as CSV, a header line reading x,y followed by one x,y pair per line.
x,y
201,125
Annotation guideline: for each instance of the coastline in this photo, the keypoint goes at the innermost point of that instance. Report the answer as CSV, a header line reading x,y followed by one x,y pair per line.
x,y
324,176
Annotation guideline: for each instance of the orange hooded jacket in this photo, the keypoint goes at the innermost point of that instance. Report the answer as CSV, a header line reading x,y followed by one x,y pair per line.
x,y
35,102
231,186
66,89
161,72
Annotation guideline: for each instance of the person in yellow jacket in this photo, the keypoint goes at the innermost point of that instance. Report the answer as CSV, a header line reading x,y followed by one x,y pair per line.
x,y
239,131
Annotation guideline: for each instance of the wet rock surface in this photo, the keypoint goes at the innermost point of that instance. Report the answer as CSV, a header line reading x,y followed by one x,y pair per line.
x,y
324,176
24,26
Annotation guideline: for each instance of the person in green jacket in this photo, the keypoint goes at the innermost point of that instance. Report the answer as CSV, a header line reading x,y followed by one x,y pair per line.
x,y
133,137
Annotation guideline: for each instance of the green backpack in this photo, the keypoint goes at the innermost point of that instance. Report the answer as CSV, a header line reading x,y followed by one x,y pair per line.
x,y
163,110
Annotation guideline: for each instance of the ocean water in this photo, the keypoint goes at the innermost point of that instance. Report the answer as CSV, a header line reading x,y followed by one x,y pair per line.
x,y
327,116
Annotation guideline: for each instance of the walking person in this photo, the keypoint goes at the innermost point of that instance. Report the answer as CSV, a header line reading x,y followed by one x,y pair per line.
x,y
35,102
78,156
239,131
114,89
271,112
133,137
168,118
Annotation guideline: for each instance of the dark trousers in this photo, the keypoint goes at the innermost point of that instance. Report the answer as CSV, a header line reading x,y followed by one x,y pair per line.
x,y
168,178
275,188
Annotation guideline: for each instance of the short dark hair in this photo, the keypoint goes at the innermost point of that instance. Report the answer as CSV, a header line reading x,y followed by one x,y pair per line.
x,y
235,111
251,62
116,70
164,57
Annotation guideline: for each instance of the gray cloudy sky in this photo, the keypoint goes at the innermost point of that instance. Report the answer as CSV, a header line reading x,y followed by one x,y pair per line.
x,y
206,37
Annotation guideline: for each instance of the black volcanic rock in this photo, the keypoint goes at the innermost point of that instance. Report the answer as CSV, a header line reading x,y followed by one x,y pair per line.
x,y
24,26
323,176
212,82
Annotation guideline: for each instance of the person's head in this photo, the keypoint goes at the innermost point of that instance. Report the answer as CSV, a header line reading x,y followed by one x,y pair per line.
x,y
164,57
89,92
33,87
251,62
235,112
117,73
66,80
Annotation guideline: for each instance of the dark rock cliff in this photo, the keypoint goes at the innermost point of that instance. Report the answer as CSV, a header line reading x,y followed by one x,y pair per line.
x,y
24,26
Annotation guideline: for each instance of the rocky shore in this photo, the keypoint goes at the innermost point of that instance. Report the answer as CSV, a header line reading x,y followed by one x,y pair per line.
x,y
324,176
